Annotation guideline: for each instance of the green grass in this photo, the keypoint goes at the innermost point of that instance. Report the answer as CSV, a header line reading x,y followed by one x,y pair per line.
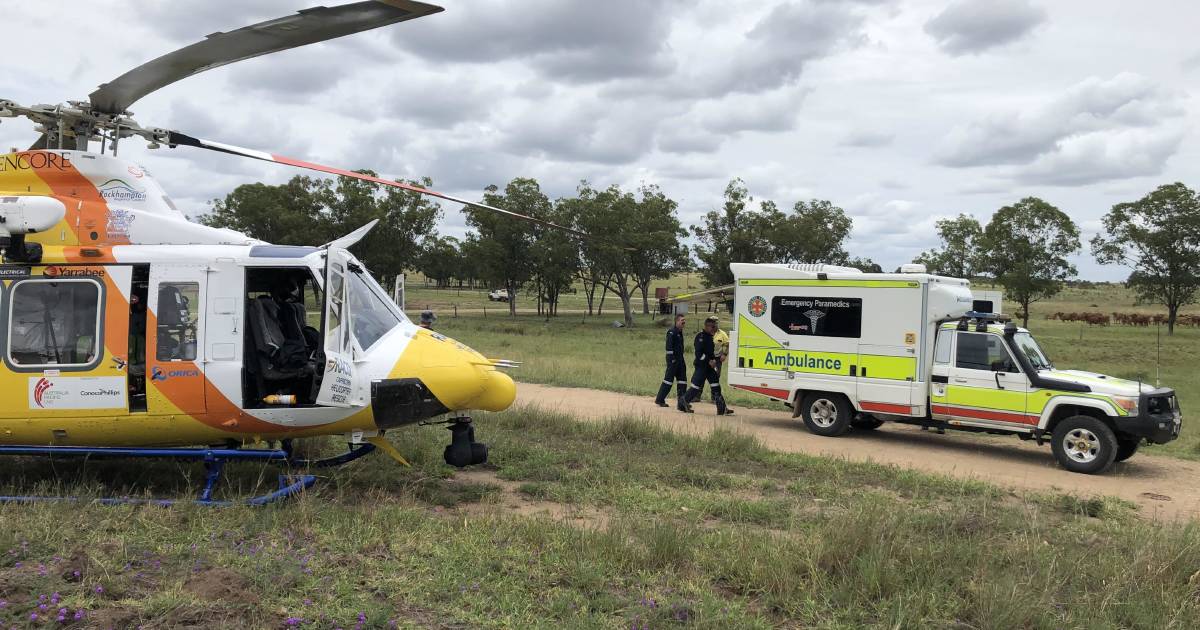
x,y
712,532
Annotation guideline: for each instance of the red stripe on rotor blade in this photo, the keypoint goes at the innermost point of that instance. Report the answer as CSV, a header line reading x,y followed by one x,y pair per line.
x,y
417,189
987,414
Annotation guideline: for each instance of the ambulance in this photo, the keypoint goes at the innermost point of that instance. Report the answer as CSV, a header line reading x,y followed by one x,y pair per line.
x,y
852,350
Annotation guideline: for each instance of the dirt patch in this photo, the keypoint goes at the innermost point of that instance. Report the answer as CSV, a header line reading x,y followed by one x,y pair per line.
x,y
510,500
106,618
75,567
1004,462
221,585
14,583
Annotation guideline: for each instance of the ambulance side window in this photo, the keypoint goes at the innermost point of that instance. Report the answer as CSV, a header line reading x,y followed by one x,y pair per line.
x,y
54,323
981,351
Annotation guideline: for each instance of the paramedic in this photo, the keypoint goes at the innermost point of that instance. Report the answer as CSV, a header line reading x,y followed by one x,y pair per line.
x,y
676,369
721,348
705,363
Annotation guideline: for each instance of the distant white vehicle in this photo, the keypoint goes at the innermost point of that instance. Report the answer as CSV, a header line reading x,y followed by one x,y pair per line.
x,y
498,295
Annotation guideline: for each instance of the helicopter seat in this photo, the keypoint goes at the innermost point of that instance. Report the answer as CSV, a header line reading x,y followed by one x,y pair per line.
x,y
278,356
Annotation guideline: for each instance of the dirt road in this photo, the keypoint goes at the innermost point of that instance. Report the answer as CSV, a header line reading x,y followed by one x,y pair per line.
x,y
1163,487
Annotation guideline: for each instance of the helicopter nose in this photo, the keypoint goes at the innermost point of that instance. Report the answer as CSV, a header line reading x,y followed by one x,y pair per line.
x,y
498,393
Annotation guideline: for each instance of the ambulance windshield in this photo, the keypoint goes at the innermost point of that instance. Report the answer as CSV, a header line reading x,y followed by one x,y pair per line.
x,y
1030,347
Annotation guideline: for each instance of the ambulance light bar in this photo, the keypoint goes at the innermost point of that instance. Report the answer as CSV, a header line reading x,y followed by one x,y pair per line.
x,y
981,320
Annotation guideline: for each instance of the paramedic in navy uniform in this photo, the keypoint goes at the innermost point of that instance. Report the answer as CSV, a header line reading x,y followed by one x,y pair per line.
x,y
676,368
705,363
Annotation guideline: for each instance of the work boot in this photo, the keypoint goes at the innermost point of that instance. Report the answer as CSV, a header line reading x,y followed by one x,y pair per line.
x,y
663,390
719,400
684,404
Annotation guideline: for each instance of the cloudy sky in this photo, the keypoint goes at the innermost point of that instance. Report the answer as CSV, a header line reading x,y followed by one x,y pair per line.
x,y
902,112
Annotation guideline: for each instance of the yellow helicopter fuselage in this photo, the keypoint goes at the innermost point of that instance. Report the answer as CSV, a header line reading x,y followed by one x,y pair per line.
x,y
135,327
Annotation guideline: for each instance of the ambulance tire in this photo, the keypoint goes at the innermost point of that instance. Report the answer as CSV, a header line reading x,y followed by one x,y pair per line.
x,y
1126,447
826,414
1084,444
866,422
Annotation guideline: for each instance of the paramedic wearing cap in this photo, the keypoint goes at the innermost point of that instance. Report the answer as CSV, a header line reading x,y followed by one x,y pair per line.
x,y
705,363
427,319
676,369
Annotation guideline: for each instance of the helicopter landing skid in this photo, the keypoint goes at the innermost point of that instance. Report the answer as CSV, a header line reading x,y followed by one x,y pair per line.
x,y
214,462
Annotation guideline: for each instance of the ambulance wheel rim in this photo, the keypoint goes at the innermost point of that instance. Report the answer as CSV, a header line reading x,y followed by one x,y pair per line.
x,y
823,413
1081,445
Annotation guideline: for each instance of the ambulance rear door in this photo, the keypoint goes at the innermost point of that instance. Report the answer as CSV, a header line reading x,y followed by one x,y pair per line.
x,y
889,347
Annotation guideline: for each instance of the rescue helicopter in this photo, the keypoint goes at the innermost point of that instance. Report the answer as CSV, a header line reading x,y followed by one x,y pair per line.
x,y
130,331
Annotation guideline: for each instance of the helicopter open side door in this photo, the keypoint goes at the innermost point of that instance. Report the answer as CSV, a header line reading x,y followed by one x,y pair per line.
x,y
337,382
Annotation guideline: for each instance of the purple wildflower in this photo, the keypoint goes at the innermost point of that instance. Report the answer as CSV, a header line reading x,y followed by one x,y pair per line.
x,y
99,589
33,617
292,621
78,614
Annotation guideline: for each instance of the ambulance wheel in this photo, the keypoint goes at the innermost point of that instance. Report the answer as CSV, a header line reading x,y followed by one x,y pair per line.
x,y
866,422
1126,447
826,414
1084,444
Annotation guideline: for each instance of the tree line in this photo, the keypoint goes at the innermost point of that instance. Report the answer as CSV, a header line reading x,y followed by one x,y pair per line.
x,y
636,237
1025,246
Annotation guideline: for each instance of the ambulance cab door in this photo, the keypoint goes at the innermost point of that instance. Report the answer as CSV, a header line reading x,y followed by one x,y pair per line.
x,y
337,379
174,334
986,387
939,376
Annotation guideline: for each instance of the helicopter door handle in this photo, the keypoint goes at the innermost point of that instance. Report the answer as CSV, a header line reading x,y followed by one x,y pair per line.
x,y
960,380
998,385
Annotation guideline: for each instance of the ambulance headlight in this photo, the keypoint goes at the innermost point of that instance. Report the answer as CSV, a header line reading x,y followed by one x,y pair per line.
x,y
1128,403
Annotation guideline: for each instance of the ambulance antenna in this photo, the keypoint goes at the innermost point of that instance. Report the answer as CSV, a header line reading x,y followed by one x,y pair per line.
x,y
1158,361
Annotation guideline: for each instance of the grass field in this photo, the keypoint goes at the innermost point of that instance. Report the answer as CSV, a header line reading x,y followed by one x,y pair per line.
x,y
586,525
579,351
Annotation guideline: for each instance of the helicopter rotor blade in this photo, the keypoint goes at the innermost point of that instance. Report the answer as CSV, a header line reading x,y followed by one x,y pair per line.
x,y
305,27
175,138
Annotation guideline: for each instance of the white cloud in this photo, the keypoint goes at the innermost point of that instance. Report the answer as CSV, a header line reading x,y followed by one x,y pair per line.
x,y
1098,129
973,26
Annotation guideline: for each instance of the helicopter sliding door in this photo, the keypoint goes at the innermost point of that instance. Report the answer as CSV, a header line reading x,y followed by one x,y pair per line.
x,y
337,382
175,372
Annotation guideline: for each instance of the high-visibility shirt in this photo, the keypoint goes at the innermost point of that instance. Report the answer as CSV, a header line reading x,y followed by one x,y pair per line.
x,y
721,341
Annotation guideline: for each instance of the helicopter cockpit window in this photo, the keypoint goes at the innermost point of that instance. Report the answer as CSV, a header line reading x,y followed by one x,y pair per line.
x,y
177,321
54,323
371,318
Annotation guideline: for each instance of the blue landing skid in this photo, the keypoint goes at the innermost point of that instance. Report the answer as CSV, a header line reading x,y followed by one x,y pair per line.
x,y
214,462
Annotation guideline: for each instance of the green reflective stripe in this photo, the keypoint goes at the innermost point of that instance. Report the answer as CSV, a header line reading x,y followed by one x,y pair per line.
x,y
1040,399
753,336
890,368
985,398
886,284
832,363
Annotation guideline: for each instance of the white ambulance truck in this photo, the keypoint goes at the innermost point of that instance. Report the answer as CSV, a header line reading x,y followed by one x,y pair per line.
x,y
847,349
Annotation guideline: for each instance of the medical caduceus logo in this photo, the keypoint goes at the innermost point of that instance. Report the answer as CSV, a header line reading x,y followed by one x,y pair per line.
x,y
757,306
40,388
814,316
